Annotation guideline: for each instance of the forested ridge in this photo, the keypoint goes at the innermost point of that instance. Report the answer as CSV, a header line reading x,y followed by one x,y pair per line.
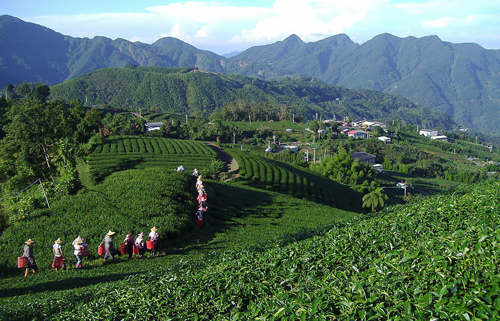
x,y
188,90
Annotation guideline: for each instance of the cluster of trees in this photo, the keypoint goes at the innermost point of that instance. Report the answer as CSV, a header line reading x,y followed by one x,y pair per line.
x,y
42,140
343,168
244,110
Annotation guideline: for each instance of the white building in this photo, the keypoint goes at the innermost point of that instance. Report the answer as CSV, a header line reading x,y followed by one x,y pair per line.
x,y
153,126
428,132
384,139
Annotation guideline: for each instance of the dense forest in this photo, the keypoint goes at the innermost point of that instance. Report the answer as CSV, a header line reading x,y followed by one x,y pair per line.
x,y
188,90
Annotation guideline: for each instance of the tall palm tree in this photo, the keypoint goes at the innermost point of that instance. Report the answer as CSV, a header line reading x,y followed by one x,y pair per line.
x,y
374,199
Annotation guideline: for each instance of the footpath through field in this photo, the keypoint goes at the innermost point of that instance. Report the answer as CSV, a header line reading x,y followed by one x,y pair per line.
x,y
232,167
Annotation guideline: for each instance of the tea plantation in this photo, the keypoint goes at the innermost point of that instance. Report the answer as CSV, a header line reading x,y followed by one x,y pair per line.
x,y
294,180
128,152
433,259
266,253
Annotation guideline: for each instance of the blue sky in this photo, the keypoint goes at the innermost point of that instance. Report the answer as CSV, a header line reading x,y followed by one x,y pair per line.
x,y
225,26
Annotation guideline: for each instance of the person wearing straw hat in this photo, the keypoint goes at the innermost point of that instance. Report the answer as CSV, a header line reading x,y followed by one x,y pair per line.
x,y
78,246
30,258
58,253
109,246
139,243
196,173
199,182
153,236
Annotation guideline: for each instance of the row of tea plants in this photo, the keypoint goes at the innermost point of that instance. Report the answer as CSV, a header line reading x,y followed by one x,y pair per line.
x,y
295,180
128,152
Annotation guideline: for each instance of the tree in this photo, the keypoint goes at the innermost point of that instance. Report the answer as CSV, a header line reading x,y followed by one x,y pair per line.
x,y
8,91
23,90
374,199
45,136
41,92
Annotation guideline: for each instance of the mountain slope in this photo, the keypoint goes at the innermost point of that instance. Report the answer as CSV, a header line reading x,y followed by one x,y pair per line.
x,y
33,53
184,90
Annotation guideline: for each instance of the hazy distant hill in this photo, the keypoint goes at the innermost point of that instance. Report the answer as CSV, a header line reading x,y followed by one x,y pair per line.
x,y
183,90
460,79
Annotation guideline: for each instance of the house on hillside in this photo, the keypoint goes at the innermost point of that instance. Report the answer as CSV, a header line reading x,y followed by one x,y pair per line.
x,y
384,139
442,138
358,123
356,134
153,126
428,132
372,124
364,157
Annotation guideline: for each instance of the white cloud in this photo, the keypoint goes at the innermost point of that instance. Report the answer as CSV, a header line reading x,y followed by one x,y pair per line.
x,y
224,27
437,23
309,19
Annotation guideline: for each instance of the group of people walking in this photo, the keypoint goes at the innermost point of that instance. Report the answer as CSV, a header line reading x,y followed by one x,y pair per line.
x,y
129,246
202,200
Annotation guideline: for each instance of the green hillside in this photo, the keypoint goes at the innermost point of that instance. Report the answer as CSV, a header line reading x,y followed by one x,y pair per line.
x,y
433,259
188,90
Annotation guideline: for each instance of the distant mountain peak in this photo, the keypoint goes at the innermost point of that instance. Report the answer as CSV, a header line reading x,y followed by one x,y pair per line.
x,y
293,38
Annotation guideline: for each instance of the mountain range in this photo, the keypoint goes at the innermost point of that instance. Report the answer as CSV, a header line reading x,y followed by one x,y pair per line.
x,y
462,80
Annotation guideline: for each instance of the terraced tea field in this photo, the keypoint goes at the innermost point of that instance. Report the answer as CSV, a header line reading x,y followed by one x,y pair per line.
x,y
294,180
119,153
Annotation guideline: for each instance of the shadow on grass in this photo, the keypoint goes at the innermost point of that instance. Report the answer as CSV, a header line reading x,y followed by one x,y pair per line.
x,y
65,284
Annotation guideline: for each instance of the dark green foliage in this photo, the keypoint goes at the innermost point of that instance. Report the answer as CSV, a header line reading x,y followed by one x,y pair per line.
x,y
43,139
345,169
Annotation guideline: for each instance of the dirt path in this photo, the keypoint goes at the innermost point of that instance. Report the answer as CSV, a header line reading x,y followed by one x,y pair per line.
x,y
232,167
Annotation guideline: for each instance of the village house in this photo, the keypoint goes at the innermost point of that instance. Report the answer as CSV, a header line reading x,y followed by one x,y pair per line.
x,y
372,124
153,126
384,139
356,134
364,157
442,138
428,132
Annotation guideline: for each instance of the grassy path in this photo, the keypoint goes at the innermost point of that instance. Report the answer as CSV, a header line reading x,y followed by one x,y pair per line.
x,y
232,167
238,217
